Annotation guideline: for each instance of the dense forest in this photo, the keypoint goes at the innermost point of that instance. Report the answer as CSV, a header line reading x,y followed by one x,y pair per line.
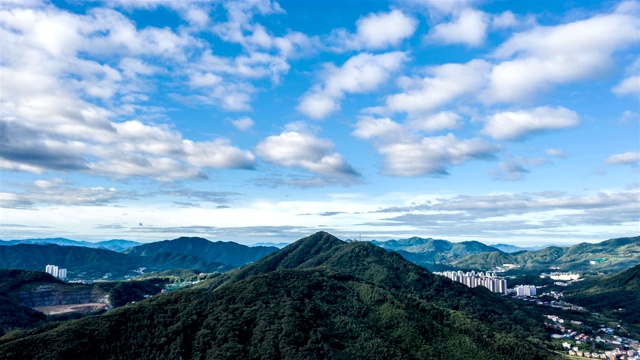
x,y
319,298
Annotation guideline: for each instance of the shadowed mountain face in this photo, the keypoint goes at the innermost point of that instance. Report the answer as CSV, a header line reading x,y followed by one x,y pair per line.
x,y
318,298
230,253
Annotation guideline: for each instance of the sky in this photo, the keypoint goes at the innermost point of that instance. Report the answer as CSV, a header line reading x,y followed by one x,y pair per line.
x,y
498,121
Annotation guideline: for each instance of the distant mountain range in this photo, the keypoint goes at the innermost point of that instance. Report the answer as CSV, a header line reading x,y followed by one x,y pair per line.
x,y
609,255
432,253
316,298
114,245
226,252
88,263
512,248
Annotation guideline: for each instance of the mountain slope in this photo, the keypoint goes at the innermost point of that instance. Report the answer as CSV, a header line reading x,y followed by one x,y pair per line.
x,y
609,255
431,252
94,263
617,292
317,298
230,253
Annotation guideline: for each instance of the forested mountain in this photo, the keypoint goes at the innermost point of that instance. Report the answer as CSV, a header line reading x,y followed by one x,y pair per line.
x,y
95,263
617,293
609,255
115,245
225,252
318,298
431,253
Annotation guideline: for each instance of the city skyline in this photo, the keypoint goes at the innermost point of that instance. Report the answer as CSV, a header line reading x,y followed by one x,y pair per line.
x,y
259,121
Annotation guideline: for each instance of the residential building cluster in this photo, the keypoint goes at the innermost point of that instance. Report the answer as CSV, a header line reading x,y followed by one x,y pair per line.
x,y
577,342
57,272
473,279
525,290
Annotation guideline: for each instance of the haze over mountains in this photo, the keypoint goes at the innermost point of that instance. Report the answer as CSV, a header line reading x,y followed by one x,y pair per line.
x,y
316,298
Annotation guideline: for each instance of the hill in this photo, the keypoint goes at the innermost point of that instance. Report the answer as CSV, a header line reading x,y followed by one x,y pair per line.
x,y
614,293
318,298
431,253
90,263
227,252
610,255
23,290
114,245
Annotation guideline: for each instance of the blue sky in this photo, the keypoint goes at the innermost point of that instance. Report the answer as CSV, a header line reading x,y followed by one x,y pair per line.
x,y
259,121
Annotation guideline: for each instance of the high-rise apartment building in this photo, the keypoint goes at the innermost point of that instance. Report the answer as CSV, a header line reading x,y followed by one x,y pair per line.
x,y
473,279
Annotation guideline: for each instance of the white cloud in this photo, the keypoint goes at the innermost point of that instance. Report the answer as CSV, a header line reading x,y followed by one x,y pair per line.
x,y
436,122
432,155
505,20
628,86
446,7
57,193
368,127
376,31
556,152
514,125
407,154
243,124
627,158
360,74
444,83
468,28
304,150
544,56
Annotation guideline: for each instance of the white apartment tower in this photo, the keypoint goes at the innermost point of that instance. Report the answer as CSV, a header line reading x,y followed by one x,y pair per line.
x,y
57,272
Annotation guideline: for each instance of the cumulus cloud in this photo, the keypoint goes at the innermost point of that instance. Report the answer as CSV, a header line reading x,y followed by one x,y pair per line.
x,y
376,31
515,125
304,150
504,21
628,86
360,74
436,122
443,84
409,155
544,56
627,158
243,124
73,83
469,28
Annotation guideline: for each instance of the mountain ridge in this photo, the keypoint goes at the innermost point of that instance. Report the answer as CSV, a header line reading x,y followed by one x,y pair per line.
x,y
610,255
226,252
319,297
